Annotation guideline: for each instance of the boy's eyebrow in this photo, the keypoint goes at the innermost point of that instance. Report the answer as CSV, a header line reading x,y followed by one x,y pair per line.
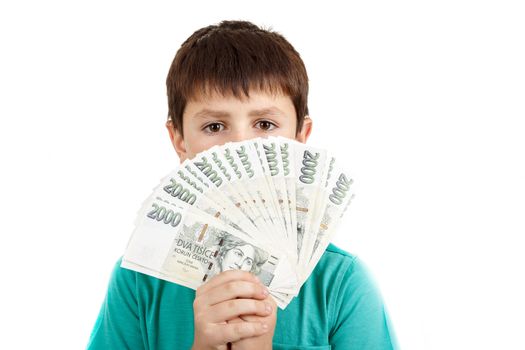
x,y
206,113
274,111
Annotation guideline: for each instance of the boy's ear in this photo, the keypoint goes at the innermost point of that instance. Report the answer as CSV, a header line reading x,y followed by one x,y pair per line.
x,y
304,133
176,140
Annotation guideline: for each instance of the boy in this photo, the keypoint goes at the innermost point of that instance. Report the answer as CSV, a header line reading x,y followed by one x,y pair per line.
x,y
231,82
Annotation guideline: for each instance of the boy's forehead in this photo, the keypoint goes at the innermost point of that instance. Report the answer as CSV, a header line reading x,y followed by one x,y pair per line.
x,y
258,103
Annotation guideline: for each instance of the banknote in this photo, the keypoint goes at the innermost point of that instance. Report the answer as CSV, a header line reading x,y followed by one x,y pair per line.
x,y
180,244
269,206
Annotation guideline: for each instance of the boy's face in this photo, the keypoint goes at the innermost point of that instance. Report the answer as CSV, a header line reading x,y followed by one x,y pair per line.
x,y
219,119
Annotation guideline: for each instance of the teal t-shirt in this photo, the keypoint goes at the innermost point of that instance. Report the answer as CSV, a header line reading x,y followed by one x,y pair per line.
x,y
338,307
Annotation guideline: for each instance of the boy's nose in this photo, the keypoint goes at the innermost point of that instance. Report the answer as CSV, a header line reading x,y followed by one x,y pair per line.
x,y
240,135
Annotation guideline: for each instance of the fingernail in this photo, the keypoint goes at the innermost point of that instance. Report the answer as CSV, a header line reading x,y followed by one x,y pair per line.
x,y
265,291
265,326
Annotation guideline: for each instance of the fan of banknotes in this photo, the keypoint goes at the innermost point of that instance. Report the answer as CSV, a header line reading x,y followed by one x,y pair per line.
x,y
269,206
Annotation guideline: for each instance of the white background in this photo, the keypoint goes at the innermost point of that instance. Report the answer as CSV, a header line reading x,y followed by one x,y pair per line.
x,y
425,102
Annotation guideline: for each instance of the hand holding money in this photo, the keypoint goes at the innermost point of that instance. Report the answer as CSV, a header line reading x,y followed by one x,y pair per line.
x,y
266,206
263,341
230,296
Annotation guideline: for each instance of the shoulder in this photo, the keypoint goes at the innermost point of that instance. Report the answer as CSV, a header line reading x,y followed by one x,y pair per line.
x,y
348,276
335,261
122,279
345,265
339,280
347,282
332,248
357,311
333,252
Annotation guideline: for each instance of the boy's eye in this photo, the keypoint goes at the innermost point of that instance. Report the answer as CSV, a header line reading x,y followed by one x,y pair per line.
x,y
266,125
213,127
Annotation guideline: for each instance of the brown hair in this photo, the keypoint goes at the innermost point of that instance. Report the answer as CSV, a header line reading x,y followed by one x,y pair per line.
x,y
232,58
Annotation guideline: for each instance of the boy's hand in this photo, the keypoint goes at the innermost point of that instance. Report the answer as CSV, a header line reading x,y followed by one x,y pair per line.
x,y
225,297
261,342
